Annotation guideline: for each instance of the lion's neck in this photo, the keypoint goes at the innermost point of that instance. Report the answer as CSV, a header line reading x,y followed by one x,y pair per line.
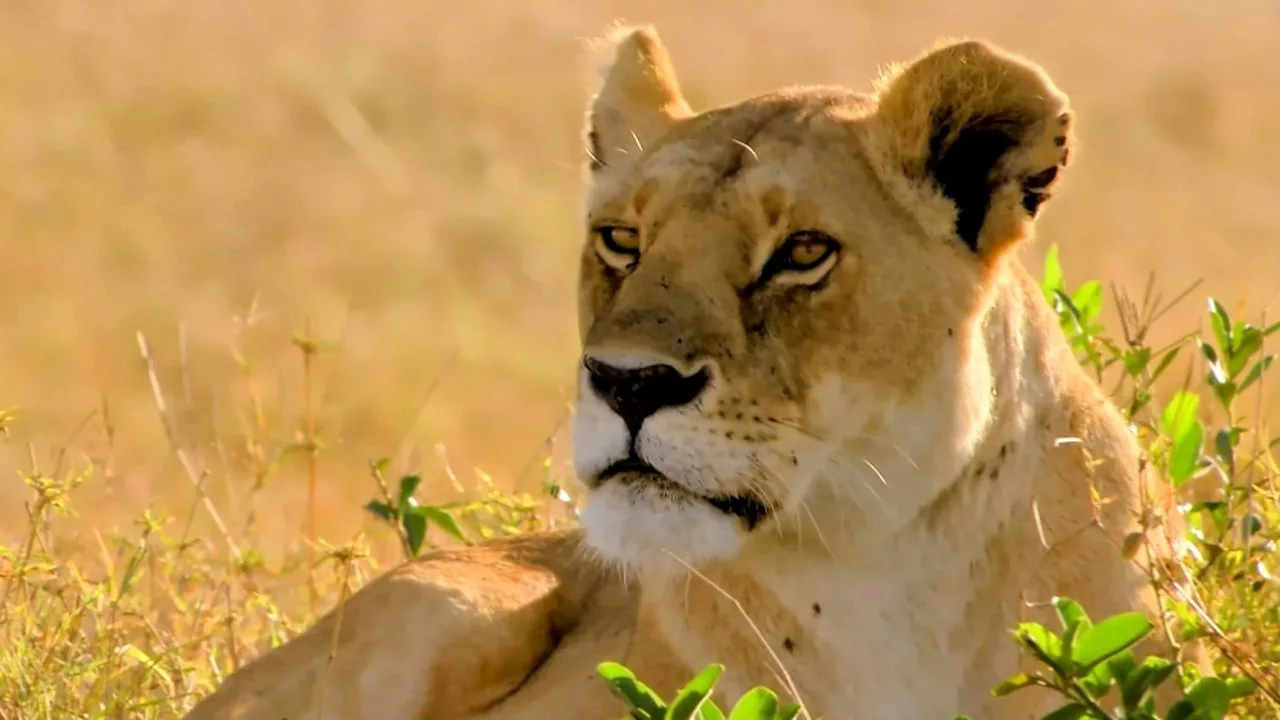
x,y
898,553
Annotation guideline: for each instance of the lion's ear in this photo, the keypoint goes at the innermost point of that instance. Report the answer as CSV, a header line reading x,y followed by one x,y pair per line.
x,y
638,97
982,128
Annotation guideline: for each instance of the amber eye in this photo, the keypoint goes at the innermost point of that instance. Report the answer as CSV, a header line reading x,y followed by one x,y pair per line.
x,y
804,251
621,240
617,245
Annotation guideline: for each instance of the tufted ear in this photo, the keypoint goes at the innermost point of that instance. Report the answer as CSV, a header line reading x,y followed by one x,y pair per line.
x,y
982,128
638,98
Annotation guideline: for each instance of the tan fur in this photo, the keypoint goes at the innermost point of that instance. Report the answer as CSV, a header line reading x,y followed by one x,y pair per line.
x,y
908,410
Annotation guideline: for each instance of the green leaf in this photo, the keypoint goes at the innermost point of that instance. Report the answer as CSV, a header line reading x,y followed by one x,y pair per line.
x,y
1224,447
1135,361
1051,278
1211,696
1182,710
1179,414
1165,361
1157,669
1221,323
1147,676
1097,682
1240,687
408,484
710,711
1140,400
380,510
686,702
1248,345
1122,665
1016,682
1088,300
1069,313
1211,357
1043,643
1217,512
1070,613
1185,456
415,528
645,704
1124,669
1073,619
758,704
1108,638
1179,422
1250,525
444,520
612,672
789,712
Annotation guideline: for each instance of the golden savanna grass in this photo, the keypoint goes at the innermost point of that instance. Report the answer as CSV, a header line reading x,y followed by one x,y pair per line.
x,y
345,230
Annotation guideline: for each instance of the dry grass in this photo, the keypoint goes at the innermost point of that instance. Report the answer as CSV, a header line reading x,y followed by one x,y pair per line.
x,y
401,181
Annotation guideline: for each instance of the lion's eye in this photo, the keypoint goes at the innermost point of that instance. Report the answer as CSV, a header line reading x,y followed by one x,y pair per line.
x,y
808,250
619,246
620,240
804,254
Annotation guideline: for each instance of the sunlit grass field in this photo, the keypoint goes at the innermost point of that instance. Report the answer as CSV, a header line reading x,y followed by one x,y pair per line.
x,y
249,247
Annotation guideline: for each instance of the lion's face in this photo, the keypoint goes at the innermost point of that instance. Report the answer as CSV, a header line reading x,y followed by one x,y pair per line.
x,y
769,288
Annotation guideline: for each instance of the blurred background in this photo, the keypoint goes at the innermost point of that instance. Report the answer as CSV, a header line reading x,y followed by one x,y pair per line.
x,y
399,180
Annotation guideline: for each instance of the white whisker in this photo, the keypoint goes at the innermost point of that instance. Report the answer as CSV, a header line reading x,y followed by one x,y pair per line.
x,y
859,436
817,529
875,470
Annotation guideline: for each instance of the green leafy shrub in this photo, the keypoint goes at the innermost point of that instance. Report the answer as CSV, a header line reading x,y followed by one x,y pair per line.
x,y
693,701
1091,667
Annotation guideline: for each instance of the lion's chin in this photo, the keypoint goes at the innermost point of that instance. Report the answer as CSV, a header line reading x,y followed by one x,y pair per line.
x,y
643,528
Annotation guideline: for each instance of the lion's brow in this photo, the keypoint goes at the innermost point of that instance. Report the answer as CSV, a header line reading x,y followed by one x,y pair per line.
x,y
740,144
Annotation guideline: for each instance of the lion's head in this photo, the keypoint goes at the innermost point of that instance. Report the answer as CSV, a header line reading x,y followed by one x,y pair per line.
x,y
776,291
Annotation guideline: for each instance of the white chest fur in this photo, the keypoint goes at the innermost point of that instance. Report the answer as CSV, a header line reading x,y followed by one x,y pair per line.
x,y
914,625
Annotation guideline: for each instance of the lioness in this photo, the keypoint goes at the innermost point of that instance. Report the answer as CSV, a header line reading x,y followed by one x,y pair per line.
x,y
830,433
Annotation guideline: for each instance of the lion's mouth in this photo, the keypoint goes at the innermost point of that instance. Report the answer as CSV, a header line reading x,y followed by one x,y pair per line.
x,y
747,507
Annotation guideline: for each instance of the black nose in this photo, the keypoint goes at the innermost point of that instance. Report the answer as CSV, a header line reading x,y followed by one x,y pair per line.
x,y
637,393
